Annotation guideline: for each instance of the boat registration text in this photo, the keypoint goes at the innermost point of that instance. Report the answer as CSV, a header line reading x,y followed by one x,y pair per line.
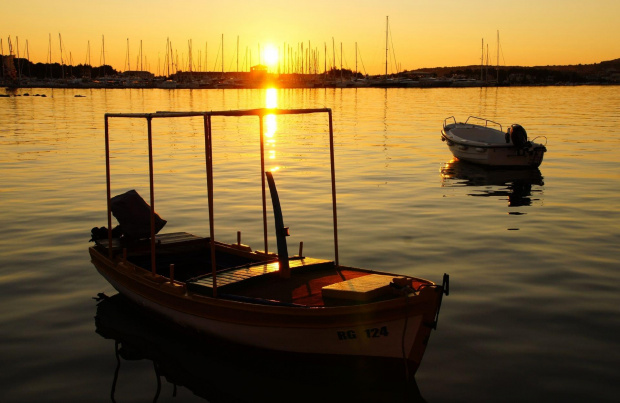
x,y
368,333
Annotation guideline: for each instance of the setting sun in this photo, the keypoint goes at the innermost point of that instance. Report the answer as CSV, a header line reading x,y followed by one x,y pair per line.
x,y
270,56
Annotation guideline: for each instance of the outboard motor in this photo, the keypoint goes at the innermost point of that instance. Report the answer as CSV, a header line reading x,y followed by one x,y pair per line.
x,y
518,135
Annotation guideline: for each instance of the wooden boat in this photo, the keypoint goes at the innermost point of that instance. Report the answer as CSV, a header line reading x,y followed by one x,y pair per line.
x,y
482,143
262,299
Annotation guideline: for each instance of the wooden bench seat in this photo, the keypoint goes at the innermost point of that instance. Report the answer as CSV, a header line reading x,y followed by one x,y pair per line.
x,y
364,288
235,275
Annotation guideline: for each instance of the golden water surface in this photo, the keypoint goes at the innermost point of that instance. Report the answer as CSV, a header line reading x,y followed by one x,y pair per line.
x,y
533,255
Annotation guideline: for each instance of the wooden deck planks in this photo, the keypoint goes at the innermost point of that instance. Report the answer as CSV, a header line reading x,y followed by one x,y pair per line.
x,y
162,239
243,273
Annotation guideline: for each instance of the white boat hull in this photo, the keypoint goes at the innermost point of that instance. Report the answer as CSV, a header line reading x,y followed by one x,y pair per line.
x,y
487,146
498,157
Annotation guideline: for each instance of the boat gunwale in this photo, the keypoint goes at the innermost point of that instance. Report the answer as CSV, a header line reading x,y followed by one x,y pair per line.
x,y
125,273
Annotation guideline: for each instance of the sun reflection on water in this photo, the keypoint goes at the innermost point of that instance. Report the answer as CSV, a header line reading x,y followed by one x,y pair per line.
x,y
271,126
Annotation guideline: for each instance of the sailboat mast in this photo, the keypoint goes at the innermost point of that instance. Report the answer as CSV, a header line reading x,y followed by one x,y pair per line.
x,y
356,59
167,59
387,24
334,53
19,69
190,60
497,57
482,61
487,69
102,51
309,57
128,58
62,63
325,58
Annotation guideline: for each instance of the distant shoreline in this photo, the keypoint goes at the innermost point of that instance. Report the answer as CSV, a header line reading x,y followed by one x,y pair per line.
x,y
8,89
20,73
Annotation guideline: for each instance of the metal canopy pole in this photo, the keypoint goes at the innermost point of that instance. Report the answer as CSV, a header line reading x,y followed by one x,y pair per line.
x,y
262,178
108,194
333,169
209,167
152,190
209,170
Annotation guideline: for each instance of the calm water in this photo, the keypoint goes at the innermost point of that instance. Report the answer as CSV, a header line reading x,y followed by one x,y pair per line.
x,y
533,256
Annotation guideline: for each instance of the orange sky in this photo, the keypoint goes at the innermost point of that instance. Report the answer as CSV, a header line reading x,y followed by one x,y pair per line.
x,y
424,33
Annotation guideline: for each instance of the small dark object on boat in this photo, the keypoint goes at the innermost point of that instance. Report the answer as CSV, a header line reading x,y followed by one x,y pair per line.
x,y
518,135
98,233
134,215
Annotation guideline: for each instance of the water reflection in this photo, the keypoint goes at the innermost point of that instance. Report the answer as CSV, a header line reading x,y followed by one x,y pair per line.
x,y
513,184
271,126
223,373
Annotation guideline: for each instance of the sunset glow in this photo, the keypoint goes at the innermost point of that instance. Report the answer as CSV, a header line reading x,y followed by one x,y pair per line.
x,y
270,56
532,33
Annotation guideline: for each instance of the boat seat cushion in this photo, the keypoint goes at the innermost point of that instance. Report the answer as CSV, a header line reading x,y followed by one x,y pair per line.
x,y
365,288
134,215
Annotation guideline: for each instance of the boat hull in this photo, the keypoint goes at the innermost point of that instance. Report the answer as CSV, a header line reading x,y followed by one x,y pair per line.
x,y
396,329
486,146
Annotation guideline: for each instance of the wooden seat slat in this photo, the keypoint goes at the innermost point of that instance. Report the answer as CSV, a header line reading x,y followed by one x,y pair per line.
x,y
204,284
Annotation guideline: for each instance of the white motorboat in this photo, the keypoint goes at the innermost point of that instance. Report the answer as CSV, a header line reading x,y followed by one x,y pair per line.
x,y
483,143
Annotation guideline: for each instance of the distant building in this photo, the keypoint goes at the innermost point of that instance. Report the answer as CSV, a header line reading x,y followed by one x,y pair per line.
x,y
258,69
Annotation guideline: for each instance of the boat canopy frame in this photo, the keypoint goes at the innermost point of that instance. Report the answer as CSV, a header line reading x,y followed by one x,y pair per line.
x,y
208,135
486,122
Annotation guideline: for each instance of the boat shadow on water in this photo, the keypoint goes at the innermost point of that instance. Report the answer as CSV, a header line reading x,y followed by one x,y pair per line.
x,y
219,371
517,185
